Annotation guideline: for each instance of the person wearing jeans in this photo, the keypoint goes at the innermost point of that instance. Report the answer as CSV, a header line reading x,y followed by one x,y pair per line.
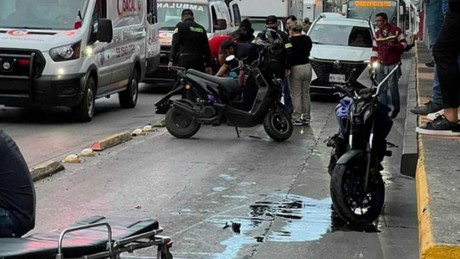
x,y
434,19
446,51
392,83
389,45
435,12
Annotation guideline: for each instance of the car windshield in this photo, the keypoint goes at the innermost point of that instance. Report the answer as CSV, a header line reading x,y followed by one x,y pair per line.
x,y
368,9
169,14
43,14
341,35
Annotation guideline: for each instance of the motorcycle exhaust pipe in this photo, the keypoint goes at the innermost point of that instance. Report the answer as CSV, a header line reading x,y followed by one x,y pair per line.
x,y
186,109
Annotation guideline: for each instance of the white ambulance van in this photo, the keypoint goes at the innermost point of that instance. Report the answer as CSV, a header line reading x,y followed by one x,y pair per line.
x,y
214,15
71,52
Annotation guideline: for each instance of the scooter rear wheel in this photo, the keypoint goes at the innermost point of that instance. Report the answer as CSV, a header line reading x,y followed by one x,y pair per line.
x,y
278,124
350,202
180,125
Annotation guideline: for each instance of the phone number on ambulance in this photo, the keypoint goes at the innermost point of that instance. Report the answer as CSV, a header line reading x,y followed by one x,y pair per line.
x,y
125,50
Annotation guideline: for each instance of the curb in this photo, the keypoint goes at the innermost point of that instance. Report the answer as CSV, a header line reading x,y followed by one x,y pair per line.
x,y
49,168
428,247
409,153
111,141
46,169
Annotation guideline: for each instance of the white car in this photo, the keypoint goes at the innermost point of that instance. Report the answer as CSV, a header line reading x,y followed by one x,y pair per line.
x,y
341,52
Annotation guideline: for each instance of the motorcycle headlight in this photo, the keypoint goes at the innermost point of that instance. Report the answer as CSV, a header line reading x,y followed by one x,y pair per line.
x,y
375,65
66,52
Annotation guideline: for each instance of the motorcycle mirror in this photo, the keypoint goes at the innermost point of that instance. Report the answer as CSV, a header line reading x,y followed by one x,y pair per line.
x,y
278,81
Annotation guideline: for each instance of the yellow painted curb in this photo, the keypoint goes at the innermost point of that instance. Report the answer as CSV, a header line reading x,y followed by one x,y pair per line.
x,y
111,141
46,169
428,247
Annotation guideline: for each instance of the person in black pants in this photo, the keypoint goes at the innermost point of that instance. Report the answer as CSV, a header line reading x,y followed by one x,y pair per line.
x,y
190,46
17,193
446,51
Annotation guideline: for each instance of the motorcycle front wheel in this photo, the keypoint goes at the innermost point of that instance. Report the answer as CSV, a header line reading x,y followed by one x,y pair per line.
x,y
180,125
278,125
351,203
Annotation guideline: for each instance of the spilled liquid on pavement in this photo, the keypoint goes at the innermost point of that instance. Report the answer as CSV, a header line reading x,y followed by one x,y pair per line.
x,y
305,219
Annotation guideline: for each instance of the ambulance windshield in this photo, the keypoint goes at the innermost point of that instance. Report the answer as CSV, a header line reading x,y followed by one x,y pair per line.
x,y
169,14
41,14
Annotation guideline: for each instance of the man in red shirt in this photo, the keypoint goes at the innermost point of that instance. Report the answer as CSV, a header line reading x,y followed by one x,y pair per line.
x,y
389,46
214,45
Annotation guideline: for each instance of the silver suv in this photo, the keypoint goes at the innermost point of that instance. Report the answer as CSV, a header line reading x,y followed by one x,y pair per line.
x,y
342,48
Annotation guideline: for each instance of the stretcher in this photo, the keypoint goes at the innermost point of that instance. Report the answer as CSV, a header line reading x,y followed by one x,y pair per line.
x,y
94,237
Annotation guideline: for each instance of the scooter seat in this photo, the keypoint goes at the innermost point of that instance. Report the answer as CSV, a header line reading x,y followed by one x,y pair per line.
x,y
76,244
230,84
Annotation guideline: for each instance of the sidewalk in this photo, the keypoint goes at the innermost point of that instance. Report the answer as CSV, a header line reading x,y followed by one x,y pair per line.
x,y
437,178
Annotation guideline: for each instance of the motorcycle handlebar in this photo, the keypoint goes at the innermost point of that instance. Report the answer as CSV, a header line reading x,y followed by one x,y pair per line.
x,y
349,91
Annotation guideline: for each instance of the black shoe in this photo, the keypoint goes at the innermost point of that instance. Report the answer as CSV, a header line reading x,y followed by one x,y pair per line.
x,y
440,126
430,64
394,114
429,107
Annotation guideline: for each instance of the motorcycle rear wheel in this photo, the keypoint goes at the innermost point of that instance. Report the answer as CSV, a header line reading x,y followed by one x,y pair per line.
x,y
180,125
350,203
278,125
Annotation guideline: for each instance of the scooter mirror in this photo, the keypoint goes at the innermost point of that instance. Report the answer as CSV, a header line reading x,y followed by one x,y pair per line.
x,y
229,59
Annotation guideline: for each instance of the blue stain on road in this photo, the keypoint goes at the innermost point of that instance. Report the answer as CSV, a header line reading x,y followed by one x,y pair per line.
x,y
306,219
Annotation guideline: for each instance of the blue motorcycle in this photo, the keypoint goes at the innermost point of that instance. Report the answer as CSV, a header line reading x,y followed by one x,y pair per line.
x,y
357,187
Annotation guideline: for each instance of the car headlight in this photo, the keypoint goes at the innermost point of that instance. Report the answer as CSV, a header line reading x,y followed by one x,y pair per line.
x,y
66,52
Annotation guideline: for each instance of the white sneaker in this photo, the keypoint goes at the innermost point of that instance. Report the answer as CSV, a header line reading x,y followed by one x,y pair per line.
x,y
432,116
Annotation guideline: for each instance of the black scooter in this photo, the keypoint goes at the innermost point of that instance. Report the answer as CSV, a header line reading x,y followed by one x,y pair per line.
x,y
211,100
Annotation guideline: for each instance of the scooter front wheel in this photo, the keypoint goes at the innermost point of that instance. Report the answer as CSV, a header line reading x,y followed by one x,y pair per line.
x,y
180,125
278,124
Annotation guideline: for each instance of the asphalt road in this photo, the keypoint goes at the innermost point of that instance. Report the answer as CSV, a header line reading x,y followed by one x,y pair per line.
x,y
278,193
49,134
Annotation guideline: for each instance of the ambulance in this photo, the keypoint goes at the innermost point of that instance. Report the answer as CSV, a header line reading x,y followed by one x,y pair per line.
x,y
72,52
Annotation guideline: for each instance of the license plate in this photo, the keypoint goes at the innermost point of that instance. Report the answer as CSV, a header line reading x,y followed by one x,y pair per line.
x,y
336,78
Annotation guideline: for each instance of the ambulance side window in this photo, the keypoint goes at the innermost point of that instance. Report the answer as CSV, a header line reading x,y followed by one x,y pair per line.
x,y
152,11
100,11
213,15
236,14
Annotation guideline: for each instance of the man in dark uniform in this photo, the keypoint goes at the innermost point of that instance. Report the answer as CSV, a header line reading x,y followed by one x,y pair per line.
x,y
17,193
190,47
